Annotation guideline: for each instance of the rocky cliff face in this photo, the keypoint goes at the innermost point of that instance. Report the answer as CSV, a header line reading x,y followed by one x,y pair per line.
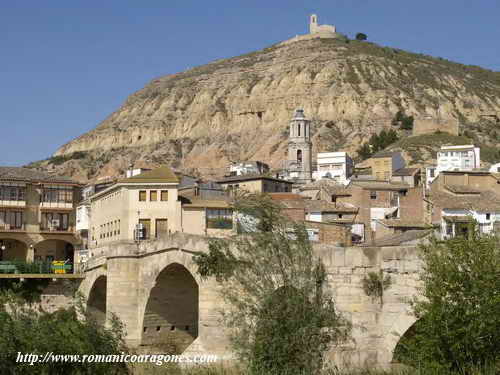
x,y
239,108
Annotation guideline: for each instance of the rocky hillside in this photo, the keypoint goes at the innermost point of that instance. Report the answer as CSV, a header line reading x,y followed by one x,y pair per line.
x,y
239,108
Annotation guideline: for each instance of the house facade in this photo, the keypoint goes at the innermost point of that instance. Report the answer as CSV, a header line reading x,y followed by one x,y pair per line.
x,y
37,215
337,166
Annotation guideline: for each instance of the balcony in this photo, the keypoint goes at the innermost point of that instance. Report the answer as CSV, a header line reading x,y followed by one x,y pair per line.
x,y
51,229
12,228
22,269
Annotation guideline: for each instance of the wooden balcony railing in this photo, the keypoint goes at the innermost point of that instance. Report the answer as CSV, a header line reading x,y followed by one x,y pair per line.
x,y
12,228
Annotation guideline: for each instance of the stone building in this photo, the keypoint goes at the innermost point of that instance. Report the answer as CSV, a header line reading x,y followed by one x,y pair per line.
x,y
255,184
458,198
37,215
148,206
298,165
384,164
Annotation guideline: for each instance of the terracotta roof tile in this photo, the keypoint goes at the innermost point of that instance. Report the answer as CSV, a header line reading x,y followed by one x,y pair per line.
x,y
31,175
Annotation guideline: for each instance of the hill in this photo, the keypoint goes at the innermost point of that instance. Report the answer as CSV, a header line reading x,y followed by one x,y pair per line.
x,y
239,108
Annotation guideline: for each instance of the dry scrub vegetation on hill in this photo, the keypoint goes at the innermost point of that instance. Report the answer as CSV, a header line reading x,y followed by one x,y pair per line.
x,y
239,108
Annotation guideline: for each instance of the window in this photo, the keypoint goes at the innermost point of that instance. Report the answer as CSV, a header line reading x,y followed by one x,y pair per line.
x,y
164,195
299,156
340,216
57,195
334,199
488,216
146,227
55,221
373,194
142,196
153,195
431,172
219,218
12,219
298,127
12,193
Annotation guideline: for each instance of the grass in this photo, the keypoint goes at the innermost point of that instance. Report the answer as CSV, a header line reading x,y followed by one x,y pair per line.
x,y
431,140
151,369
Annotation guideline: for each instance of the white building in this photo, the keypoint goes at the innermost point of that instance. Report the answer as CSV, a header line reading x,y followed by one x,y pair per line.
x,y
337,166
495,168
453,158
248,167
462,158
457,222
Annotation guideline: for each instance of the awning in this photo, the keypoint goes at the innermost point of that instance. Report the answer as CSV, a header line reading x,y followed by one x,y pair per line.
x,y
458,219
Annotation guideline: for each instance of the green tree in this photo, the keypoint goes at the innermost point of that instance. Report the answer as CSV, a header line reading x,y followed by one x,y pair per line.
x,y
364,151
26,329
361,36
266,274
459,314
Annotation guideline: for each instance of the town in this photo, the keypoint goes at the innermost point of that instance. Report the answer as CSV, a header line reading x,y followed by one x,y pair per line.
x,y
46,218
349,240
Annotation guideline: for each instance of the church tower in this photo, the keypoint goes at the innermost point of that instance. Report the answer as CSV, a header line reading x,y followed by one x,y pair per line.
x,y
300,148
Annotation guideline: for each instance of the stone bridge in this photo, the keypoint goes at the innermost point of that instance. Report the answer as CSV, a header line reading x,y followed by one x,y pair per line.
x,y
153,288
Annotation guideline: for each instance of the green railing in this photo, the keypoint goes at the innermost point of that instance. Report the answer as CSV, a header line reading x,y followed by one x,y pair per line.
x,y
22,267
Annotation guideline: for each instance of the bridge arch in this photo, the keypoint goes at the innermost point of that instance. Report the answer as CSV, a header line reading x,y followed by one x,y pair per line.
x,y
392,337
171,313
96,301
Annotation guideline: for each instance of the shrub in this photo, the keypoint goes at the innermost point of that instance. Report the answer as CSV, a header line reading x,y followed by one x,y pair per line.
x,y
459,312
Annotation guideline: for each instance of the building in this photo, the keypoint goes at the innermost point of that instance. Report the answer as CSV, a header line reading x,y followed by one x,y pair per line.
x,y
83,210
408,176
149,199
37,215
148,206
324,222
314,28
337,166
462,158
298,166
384,164
495,168
248,167
255,184
458,198
190,186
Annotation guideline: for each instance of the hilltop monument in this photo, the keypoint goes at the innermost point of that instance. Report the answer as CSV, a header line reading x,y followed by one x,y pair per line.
x,y
314,28
317,31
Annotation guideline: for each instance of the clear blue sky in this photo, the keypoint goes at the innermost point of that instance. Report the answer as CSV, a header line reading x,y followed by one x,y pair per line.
x,y
67,64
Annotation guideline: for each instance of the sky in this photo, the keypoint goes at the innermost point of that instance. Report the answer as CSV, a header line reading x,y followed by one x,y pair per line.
x,y
65,65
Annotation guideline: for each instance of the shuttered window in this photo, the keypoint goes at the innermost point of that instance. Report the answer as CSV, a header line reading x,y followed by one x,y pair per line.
x,y
153,195
164,195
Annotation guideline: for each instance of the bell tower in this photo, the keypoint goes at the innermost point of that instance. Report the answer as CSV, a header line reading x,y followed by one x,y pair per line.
x,y
300,148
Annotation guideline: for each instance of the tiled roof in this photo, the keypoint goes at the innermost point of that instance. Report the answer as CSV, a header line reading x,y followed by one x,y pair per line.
x,y
329,186
30,175
159,175
383,154
406,172
394,223
319,206
399,239
462,189
285,196
484,201
379,185
250,177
